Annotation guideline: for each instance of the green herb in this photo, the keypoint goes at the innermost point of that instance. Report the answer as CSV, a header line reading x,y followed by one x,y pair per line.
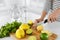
x,y
9,28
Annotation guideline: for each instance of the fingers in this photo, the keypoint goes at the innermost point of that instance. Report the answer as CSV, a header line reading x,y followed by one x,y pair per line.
x,y
52,18
37,20
49,19
34,26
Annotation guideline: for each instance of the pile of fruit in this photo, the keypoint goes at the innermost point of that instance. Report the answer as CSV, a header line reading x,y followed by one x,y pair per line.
x,y
13,28
22,29
25,29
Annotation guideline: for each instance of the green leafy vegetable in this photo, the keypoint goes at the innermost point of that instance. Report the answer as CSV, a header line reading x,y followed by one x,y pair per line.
x,y
9,28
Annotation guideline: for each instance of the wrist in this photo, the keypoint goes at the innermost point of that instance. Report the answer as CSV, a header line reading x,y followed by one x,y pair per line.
x,y
57,11
42,18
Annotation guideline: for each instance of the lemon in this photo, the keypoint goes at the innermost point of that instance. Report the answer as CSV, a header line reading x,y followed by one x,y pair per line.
x,y
39,27
30,22
20,33
46,31
17,35
24,26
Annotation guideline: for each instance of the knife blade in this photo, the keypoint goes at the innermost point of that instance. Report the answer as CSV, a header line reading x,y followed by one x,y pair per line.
x,y
45,21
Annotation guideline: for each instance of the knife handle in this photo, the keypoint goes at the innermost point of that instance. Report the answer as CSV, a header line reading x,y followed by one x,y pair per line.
x,y
46,20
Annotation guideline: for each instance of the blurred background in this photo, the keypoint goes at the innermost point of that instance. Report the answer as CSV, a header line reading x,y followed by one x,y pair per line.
x,y
25,10
32,8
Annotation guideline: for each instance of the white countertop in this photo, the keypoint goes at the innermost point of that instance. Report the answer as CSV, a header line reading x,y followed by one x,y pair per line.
x,y
54,27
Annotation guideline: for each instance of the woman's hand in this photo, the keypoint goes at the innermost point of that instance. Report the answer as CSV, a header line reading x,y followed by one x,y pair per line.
x,y
53,16
40,19
37,21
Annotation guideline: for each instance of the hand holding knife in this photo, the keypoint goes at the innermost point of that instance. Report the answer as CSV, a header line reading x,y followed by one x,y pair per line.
x,y
35,24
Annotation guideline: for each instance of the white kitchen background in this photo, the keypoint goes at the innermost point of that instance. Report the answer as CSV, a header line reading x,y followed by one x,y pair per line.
x,y
32,9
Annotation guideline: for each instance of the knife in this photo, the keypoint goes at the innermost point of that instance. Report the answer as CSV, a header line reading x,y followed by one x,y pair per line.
x,y
45,21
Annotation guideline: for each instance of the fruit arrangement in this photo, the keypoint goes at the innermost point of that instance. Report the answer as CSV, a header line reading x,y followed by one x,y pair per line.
x,y
43,34
22,29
